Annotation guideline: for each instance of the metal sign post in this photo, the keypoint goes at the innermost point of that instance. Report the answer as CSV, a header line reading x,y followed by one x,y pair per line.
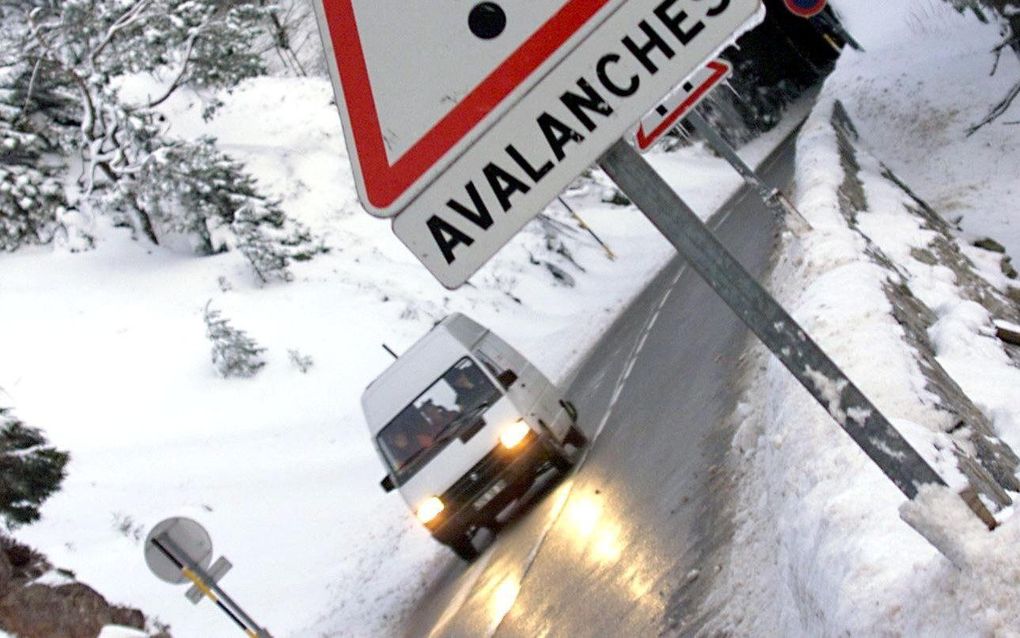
x,y
680,104
179,550
774,326
773,197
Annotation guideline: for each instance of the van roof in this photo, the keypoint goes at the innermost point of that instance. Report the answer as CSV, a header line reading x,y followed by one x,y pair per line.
x,y
416,369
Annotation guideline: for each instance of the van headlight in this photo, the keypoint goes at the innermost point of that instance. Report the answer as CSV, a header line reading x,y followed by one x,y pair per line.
x,y
513,434
430,509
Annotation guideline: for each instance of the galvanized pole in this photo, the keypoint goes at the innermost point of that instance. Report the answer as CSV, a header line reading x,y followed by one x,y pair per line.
x,y
766,318
583,225
172,551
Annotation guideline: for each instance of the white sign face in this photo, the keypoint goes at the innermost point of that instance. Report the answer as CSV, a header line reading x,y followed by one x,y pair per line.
x,y
418,82
188,536
679,103
562,125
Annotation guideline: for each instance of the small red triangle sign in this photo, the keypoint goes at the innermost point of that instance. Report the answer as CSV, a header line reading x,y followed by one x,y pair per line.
x,y
385,183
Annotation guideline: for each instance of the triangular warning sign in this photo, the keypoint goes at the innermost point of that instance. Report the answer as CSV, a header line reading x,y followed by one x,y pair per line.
x,y
679,103
417,80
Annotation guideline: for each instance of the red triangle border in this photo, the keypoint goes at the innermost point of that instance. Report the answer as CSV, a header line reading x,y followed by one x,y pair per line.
x,y
385,183
719,70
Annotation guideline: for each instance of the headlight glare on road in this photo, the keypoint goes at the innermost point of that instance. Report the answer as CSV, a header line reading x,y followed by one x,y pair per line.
x,y
513,434
430,509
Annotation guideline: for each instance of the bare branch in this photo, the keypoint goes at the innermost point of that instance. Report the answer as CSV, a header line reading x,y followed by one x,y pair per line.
x,y
31,86
1008,42
998,110
179,80
128,18
89,121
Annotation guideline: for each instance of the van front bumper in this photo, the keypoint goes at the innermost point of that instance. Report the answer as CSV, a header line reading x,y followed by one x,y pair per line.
x,y
488,487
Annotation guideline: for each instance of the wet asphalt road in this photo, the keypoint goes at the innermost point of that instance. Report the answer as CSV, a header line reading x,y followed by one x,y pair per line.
x,y
628,544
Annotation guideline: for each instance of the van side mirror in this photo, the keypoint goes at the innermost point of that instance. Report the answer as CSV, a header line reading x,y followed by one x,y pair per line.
x,y
507,378
387,483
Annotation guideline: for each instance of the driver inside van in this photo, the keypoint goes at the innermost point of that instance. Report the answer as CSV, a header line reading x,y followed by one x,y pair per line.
x,y
436,418
470,385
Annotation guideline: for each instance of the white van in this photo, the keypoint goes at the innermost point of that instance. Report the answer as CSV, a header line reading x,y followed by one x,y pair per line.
x,y
464,424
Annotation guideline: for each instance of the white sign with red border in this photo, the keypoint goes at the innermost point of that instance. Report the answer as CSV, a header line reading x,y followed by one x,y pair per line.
x,y
415,85
679,103
469,137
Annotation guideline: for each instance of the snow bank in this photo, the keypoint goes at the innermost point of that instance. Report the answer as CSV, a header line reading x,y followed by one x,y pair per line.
x,y
819,546
922,82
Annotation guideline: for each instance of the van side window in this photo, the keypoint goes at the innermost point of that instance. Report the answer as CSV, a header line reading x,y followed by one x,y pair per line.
x,y
436,417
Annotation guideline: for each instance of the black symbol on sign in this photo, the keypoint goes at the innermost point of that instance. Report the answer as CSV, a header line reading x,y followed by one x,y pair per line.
x,y
487,20
661,110
688,86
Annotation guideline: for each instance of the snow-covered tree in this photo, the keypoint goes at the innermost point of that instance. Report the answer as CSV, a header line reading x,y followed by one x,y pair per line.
x,y
130,167
295,47
31,191
87,44
30,470
234,353
270,241
31,172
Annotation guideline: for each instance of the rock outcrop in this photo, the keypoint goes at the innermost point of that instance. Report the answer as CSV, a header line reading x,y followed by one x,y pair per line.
x,y
30,609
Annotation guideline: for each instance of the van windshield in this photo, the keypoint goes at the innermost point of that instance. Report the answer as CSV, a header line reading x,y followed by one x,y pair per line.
x,y
423,428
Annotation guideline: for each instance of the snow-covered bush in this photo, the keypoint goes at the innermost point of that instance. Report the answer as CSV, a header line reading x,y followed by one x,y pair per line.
x,y
234,353
302,362
30,470
193,189
270,241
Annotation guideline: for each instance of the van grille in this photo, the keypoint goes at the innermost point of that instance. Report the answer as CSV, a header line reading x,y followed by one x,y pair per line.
x,y
483,474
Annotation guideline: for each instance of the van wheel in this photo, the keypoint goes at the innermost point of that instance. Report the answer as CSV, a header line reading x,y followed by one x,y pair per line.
x,y
576,437
462,547
570,408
